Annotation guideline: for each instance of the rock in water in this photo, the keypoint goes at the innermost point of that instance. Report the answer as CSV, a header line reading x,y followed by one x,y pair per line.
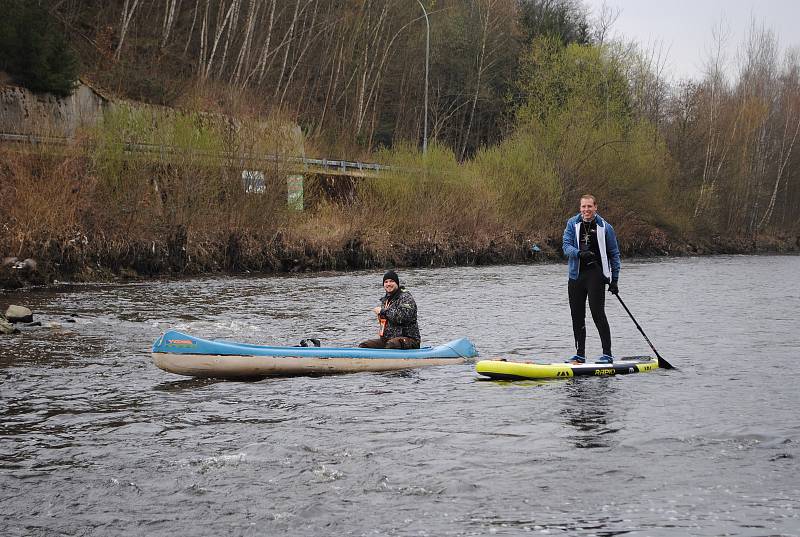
x,y
19,314
7,328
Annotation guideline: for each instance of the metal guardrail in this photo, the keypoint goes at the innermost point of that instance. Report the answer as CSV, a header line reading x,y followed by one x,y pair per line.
x,y
339,166
33,138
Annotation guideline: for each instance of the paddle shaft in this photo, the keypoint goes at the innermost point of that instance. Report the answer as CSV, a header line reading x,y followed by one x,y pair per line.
x,y
661,362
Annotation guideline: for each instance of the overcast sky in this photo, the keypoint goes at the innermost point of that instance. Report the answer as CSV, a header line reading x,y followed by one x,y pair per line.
x,y
684,27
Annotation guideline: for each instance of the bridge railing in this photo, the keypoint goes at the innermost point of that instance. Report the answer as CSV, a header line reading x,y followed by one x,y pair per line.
x,y
316,165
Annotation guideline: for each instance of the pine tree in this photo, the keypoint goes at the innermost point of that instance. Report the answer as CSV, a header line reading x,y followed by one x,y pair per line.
x,y
34,51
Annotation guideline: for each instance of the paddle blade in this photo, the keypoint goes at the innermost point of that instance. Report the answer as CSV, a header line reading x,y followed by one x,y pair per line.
x,y
663,364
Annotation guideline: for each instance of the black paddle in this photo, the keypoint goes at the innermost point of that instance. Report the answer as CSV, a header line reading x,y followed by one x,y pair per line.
x,y
661,362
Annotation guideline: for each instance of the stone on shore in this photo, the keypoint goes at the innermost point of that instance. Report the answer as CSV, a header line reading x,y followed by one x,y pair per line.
x,y
28,265
7,328
19,314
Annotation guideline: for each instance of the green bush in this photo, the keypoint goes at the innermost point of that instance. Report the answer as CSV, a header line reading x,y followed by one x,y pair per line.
x,y
557,79
523,179
34,51
431,191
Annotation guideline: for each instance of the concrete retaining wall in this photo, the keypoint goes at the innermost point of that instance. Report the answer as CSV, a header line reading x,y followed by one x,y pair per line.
x,y
23,112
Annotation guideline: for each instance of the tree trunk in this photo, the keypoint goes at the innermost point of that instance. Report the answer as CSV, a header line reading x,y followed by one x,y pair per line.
x,y
191,29
169,19
489,4
308,42
785,154
232,27
128,10
290,35
217,36
262,61
244,51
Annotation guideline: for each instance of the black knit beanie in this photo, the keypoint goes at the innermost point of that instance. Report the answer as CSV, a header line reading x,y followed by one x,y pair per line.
x,y
392,275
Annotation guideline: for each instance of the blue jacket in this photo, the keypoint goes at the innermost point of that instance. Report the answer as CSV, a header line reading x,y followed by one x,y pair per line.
x,y
609,250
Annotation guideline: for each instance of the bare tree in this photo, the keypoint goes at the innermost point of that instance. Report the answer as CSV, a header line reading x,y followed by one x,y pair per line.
x,y
307,36
244,51
191,29
484,8
170,7
128,10
232,29
605,20
288,43
261,64
221,24
787,144
716,149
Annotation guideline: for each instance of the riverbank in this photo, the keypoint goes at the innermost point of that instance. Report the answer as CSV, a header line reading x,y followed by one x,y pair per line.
x,y
97,211
95,261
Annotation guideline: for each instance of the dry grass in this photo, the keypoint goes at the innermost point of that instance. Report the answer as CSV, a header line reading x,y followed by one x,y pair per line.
x,y
180,205
41,196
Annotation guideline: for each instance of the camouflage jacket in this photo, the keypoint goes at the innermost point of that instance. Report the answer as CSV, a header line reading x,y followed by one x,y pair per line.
x,y
400,312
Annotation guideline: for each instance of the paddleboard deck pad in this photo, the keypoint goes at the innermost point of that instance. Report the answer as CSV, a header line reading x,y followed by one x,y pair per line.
x,y
506,370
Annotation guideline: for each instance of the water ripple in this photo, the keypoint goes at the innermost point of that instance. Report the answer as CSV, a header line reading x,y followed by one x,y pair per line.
x,y
94,440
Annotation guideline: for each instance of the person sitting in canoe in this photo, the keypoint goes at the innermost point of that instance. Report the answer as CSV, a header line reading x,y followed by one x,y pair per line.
x,y
397,316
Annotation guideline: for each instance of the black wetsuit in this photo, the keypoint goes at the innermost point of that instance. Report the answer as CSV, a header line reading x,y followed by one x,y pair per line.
x,y
591,283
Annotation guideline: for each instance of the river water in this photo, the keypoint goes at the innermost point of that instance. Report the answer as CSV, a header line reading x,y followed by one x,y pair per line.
x,y
95,440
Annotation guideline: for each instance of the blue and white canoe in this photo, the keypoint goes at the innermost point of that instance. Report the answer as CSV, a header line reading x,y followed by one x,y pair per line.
x,y
183,354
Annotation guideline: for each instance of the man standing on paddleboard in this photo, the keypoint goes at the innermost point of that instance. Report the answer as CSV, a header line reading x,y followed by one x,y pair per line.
x,y
591,246
397,317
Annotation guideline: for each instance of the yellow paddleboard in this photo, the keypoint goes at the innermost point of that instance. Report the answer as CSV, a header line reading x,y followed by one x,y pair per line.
x,y
505,370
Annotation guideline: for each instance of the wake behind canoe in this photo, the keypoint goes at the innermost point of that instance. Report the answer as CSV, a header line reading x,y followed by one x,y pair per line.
x,y
505,370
